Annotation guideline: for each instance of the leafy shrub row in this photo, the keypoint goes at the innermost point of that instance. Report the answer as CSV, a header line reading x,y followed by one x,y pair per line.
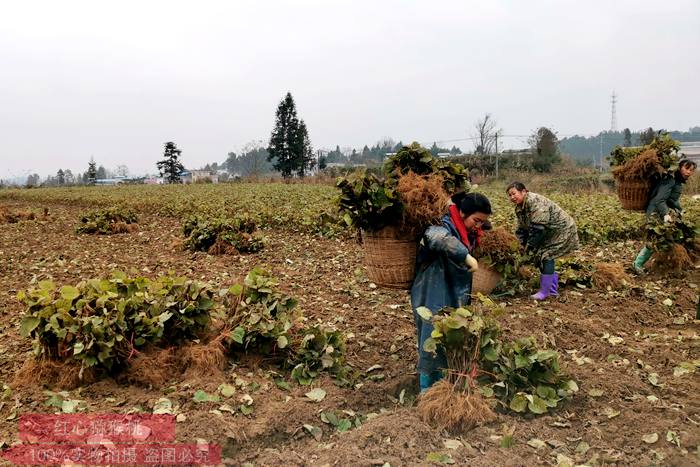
x,y
102,323
221,234
107,221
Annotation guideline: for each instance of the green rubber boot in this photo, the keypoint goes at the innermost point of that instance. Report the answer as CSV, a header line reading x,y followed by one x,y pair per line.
x,y
641,259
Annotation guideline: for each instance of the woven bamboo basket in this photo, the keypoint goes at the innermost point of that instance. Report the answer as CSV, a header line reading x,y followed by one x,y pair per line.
x,y
390,257
633,194
485,279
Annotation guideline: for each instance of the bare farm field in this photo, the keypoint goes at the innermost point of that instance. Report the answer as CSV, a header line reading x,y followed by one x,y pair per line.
x,y
633,351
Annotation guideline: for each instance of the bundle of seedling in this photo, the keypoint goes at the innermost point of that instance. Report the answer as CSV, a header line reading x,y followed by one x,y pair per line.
x,y
7,216
467,338
637,169
676,244
101,325
390,210
258,319
500,255
222,235
485,373
107,221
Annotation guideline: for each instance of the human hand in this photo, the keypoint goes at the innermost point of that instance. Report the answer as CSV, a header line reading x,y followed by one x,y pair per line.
x,y
472,263
668,219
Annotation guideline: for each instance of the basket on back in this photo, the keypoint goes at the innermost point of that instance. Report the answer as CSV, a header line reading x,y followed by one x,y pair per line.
x,y
634,170
390,257
633,194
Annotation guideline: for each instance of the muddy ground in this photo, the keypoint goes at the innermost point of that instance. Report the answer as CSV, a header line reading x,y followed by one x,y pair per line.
x,y
628,390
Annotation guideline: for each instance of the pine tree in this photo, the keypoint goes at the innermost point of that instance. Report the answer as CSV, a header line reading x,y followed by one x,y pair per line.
x,y
60,177
171,167
91,174
289,146
304,153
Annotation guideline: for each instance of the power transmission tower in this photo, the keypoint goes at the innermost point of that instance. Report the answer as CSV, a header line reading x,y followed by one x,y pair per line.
x,y
613,116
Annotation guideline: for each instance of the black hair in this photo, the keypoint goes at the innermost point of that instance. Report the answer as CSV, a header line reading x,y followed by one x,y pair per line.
x,y
687,163
469,203
517,185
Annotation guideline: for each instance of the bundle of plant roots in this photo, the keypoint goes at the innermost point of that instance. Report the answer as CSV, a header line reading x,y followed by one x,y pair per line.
x,y
424,199
9,217
673,243
611,275
675,258
455,403
645,166
499,244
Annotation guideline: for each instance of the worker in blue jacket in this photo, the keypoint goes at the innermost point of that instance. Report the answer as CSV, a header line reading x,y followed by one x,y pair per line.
x,y
444,268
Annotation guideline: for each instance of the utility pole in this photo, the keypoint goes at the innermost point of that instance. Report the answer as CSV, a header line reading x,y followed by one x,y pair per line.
x,y
600,166
613,116
496,155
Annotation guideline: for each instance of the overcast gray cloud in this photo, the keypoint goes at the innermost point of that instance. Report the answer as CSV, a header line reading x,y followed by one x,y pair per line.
x,y
116,80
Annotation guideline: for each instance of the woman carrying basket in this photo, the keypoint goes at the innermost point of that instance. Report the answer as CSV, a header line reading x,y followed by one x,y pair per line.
x,y
665,196
546,231
444,268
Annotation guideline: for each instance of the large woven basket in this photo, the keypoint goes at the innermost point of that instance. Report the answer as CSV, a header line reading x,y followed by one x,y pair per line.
x,y
485,279
390,257
633,194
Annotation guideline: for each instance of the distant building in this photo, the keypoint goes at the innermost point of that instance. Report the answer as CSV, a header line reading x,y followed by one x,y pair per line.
x,y
199,176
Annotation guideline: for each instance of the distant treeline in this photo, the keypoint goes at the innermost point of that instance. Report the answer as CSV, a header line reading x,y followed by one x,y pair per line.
x,y
585,149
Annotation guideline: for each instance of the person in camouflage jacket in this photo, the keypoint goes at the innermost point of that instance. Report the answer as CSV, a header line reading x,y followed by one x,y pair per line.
x,y
664,197
546,231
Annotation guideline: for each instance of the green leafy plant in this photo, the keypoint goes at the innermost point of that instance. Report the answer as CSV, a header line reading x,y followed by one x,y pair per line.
x,y
258,316
662,236
500,250
528,378
467,337
205,233
574,271
342,420
315,349
419,160
101,322
365,202
107,221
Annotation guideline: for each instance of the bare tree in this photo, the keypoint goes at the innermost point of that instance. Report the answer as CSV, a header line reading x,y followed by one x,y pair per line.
x,y
486,135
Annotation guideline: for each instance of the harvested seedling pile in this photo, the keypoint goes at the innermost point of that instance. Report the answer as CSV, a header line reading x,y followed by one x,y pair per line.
x,y
424,199
9,217
107,221
501,250
611,275
222,235
643,167
675,258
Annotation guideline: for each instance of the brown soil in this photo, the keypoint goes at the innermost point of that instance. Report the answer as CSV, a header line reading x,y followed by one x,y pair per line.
x,y
627,388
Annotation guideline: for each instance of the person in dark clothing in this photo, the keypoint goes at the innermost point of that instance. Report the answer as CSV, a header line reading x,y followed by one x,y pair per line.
x,y
444,267
665,197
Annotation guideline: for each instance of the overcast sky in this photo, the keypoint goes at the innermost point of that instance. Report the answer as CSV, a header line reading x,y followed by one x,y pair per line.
x,y
115,80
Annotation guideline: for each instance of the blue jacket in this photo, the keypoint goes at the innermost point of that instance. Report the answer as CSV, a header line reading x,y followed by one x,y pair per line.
x,y
666,195
442,280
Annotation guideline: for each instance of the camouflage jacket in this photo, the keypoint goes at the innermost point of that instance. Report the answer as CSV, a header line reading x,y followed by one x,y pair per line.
x,y
560,236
